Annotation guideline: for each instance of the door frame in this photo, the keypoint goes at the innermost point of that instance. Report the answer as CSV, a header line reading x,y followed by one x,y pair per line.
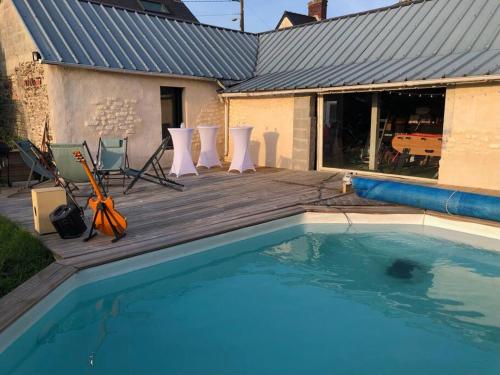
x,y
177,105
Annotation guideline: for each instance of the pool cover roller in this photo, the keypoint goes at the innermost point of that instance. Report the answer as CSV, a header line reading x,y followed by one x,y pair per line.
x,y
430,198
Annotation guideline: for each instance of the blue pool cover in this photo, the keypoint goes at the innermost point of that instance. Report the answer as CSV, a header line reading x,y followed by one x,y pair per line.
x,y
453,202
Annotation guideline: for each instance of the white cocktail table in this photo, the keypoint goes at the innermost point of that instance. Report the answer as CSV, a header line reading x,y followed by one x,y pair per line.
x,y
183,163
241,153
208,152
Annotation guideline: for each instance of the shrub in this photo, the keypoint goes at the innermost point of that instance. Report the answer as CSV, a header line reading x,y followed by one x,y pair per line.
x,y
21,255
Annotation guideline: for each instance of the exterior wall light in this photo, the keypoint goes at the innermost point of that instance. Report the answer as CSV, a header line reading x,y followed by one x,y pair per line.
x,y
36,56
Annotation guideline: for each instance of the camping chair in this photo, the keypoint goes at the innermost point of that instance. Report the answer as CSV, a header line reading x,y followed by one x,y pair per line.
x,y
152,170
69,169
37,162
40,164
112,158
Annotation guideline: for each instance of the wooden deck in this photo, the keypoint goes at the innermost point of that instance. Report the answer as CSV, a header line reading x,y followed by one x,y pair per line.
x,y
211,203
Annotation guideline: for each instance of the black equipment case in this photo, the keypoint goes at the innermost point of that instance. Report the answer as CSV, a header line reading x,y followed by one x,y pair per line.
x,y
68,221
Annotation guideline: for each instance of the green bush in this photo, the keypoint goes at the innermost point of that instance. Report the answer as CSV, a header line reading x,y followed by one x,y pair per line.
x,y
7,136
21,256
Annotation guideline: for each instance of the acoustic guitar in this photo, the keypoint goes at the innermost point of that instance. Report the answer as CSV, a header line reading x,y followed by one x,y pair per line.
x,y
106,218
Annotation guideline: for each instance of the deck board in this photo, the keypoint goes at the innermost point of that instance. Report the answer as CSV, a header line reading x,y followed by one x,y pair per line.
x,y
21,299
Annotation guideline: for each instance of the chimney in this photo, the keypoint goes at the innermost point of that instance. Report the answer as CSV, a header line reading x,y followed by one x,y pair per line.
x,y
317,8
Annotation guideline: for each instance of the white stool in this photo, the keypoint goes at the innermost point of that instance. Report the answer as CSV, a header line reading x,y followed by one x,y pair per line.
x,y
183,163
208,153
241,154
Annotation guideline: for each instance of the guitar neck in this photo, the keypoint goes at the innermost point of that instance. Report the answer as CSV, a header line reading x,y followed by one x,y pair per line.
x,y
92,180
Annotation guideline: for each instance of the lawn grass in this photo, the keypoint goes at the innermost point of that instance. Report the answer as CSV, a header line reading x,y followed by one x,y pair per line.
x,y
21,255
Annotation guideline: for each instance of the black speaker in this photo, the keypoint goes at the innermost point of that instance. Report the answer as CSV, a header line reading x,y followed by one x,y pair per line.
x,y
68,221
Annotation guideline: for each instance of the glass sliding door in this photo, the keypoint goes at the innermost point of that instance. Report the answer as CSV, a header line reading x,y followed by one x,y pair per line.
x,y
346,131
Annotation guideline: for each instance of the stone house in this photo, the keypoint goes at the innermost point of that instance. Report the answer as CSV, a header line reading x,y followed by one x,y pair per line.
x,y
411,90
316,11
120,73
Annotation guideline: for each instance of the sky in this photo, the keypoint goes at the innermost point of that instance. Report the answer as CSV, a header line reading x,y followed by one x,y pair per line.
x,y
263,15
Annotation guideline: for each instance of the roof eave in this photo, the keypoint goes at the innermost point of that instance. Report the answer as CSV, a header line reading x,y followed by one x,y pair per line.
x,y
129,71
369,87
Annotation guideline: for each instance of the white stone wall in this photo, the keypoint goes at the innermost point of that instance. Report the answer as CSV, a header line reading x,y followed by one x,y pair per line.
x,y
23,90
284,129
86,104
272,119
114,116
471,137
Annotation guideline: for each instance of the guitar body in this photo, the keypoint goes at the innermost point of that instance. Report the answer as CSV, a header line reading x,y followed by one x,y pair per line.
x,y
101,222
106,219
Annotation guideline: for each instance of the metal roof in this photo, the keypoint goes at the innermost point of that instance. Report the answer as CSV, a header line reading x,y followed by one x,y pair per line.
x,y
371,72
414,41
88,34
417,40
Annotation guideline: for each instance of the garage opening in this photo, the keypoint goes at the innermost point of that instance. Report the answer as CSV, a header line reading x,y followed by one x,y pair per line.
x,y
171,109
406,127
346,131
411,132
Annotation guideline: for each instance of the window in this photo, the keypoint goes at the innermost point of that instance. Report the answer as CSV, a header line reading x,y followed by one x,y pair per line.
x,y
153,6
171,109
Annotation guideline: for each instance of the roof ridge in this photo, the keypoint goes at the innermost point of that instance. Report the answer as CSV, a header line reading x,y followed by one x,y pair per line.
x,y
350,15
168,17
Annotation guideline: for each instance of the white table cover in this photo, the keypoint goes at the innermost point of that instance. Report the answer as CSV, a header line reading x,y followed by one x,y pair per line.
x,y
241,153
183,163
208,152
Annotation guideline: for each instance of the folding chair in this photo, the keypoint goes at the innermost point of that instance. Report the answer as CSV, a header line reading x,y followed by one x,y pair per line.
x,y
152,170
37,162
112,158
70,170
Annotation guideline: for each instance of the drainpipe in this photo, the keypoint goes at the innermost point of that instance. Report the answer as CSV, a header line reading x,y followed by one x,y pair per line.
x,y
226,127
226,120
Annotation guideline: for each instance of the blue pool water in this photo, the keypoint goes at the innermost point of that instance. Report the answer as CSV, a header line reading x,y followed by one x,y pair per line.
x,y
301,300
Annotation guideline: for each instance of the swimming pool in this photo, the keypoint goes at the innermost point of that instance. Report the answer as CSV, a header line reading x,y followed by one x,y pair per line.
x,y
292,297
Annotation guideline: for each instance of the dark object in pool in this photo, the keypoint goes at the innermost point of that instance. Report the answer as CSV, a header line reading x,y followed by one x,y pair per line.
x,y
402,269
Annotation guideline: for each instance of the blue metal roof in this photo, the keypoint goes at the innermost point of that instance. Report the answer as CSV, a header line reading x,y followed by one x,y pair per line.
x,y
89,34
415,41
371,72
419,40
